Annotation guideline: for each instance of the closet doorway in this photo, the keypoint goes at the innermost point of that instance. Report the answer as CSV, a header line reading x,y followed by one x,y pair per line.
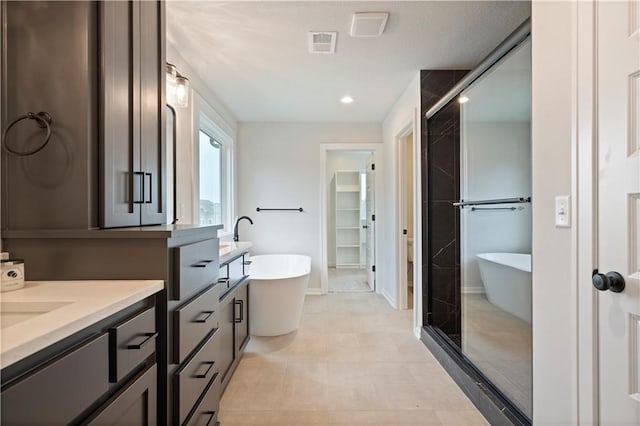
x,y
406,161
349,212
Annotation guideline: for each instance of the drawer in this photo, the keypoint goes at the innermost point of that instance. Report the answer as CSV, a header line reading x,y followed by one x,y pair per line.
x,y
131,343
196,267
236,270
192,378
62,390
193,321
206,412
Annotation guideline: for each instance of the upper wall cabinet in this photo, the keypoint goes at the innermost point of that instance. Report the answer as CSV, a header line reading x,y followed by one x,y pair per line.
x,y
97,68
132,113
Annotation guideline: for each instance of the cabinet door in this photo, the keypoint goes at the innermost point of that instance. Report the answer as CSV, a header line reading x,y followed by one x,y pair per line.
x,y
51,394
152,113
133,405
226,339
121,181
242,317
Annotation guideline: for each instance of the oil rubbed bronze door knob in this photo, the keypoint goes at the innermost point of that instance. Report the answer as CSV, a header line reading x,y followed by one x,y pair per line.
x,y
610,281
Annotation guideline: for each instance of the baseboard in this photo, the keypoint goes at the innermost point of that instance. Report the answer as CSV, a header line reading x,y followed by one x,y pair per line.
x,y
391,301
314,292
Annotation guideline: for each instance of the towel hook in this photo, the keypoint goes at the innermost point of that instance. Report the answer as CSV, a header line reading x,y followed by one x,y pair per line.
x,y
43,119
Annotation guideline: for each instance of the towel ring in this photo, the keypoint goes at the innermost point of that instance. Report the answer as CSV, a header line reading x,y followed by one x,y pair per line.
x,y
44,121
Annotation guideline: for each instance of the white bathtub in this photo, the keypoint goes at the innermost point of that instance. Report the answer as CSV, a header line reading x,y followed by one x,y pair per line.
x,y
278,285
507,281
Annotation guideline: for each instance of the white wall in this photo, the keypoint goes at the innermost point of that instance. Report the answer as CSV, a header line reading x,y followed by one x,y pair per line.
x,y
496,164
406,111
279,167
186,119
555,387
339,160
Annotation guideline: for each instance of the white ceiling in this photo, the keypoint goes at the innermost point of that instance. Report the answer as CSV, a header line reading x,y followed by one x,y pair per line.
x,y
254,57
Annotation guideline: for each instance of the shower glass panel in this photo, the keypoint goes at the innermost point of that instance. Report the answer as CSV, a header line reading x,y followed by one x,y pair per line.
x,y
495,234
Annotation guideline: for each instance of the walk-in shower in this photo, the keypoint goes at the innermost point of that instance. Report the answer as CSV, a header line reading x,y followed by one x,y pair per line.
x,y
477,282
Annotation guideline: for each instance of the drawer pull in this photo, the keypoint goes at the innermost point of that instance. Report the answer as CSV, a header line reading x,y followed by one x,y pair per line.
x,y
202,317
223,280
241,304
202,264
147,337
211,415
247,262
209,365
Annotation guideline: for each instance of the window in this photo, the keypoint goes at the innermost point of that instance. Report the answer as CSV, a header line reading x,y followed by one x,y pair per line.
x,y
211,178
213,192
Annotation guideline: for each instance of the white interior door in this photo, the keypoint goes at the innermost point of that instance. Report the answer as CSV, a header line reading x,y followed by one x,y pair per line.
x,y
370,206
618,130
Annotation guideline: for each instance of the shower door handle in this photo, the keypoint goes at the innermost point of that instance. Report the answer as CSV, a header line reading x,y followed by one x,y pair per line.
x,y
610,281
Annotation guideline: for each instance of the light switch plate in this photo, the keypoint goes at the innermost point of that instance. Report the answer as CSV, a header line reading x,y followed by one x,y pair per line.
x,y
563,211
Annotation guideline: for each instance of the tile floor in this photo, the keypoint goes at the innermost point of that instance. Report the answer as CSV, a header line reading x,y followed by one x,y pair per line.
x,y
347,280
500,345
354,361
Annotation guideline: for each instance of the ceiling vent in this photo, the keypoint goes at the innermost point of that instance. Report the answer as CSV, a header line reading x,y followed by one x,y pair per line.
x,y
368,24
322,42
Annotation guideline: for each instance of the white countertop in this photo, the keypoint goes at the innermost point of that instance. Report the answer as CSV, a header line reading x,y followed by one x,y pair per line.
x,y
87,302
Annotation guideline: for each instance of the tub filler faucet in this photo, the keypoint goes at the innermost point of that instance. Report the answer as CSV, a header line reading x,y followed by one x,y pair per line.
x,y
235,226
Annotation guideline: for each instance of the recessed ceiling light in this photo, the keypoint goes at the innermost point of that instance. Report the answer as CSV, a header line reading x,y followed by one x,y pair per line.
x,y
463,99
346,99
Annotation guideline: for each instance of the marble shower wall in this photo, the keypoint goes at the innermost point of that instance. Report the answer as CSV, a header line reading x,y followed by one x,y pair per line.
x,y
441,187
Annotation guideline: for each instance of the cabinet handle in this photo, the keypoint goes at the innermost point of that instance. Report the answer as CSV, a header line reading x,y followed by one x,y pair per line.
x,y
204,375
141,193
211,415
202,317
150,188
202,264
247,262
147,337
241,304
224,281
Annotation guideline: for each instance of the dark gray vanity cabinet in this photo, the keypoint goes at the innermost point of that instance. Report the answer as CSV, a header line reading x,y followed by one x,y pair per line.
x,y
75,382
185,257
132,114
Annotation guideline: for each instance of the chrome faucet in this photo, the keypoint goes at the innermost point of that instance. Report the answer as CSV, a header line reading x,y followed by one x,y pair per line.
x,y
235,226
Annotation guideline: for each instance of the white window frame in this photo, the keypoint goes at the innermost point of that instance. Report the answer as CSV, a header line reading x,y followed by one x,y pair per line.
x,y
205,120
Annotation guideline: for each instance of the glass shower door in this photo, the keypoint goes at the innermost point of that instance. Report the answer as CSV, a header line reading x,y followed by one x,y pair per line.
x,y
495,225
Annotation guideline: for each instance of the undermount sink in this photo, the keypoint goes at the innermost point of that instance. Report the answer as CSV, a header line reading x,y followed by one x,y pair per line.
x,y
12,313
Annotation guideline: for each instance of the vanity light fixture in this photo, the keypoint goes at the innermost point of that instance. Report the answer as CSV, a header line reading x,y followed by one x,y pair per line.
x,y
347,99
177,87
463,99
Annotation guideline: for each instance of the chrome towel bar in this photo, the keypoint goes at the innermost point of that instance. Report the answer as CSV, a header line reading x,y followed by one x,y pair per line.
x,y
463,203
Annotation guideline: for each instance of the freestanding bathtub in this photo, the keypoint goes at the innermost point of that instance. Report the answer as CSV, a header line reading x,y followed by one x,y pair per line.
x,y
278,285
507,281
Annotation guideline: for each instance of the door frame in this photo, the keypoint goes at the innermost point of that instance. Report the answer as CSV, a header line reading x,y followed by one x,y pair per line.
x,y
401,253
324,149
585,185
